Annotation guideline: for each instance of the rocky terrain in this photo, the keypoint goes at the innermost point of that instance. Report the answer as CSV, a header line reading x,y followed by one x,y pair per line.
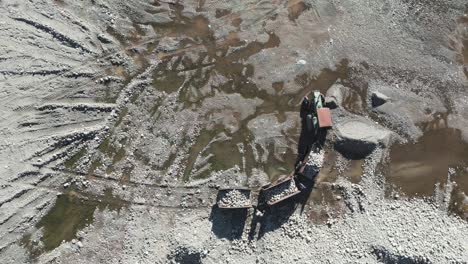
x,y
120,120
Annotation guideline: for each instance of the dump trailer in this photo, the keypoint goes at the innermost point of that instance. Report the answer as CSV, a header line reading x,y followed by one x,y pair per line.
x,y
282,189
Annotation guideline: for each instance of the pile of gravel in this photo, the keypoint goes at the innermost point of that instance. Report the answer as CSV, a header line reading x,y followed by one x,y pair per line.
x,y
235,198
316,158
279,192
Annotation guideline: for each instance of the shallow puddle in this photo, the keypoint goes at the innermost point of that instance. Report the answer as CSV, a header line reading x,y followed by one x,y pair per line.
x,y
197,60
329,172
459,199
197,65
72,212
416,168
60,2
296,8
224,153
354,171
71,162
203,140
323,204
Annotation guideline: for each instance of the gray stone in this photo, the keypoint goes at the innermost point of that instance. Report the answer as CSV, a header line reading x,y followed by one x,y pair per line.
x,y
402,110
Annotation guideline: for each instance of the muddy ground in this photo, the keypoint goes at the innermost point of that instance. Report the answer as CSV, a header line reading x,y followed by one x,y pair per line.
x,y
120,120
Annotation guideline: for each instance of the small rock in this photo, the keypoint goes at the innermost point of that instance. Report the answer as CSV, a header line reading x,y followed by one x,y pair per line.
x,y
301,62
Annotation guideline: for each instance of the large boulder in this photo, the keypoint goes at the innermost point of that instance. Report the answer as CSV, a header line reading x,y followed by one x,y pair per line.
x,y
404,111
358,137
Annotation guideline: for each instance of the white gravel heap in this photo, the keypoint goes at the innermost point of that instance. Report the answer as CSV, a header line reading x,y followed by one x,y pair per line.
x,y
235,198
279,192
316,158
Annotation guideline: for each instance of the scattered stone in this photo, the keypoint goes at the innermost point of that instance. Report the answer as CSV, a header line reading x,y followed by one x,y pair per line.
x,y
301,62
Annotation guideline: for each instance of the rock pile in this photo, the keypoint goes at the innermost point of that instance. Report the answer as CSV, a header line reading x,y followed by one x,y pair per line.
x,y
281,191
316,158
235,198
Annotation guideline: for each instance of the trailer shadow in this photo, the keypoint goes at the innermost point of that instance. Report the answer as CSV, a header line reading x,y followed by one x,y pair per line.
x,y
228,223
269,218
